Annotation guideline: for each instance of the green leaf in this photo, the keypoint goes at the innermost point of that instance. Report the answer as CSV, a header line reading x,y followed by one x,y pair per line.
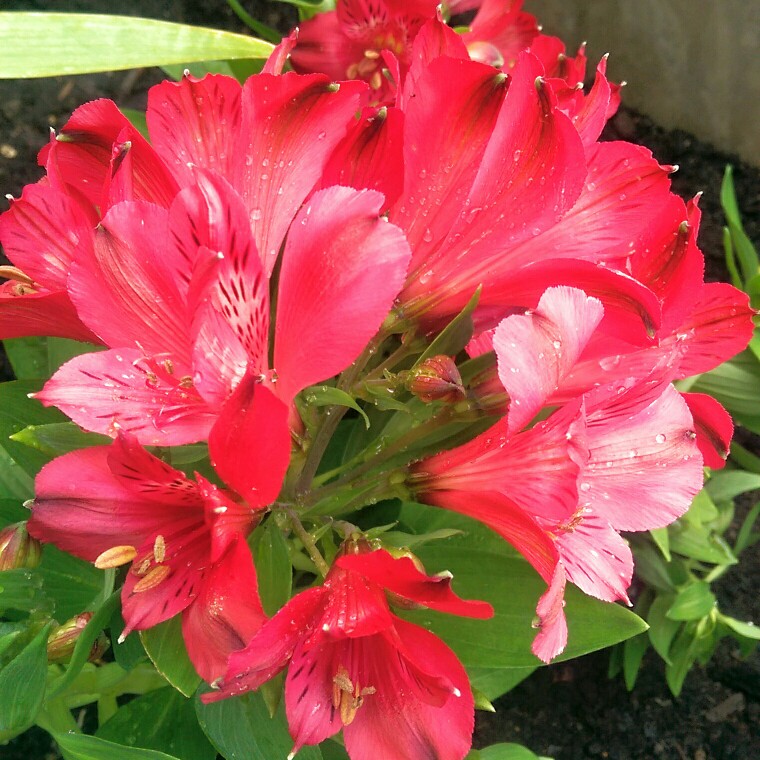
x,y
161,720
662,630
693,602
727,484
240,69
241,729
661,538
58,438
22,590
32,358
326,395
702,509
12,511
22,686
486,567
493,682
18,463
682,656
746,537
130,652
699,542
166,649
70,582
57,44
456,335
748,630
508,751
85,747
633,653
138,121
273,567
85,642
741,244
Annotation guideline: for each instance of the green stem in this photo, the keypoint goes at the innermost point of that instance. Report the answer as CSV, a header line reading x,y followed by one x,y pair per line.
x,y
264,31
308,543
56,718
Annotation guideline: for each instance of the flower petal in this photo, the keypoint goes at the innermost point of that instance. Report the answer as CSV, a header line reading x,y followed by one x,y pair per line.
x,y
713,426
552,623
342,267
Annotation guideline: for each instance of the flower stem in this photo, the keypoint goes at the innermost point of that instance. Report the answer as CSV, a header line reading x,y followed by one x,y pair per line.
x,y
264,31
308,543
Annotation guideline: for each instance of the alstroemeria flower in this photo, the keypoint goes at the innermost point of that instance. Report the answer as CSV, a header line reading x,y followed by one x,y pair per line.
x,y
395,689
187,287
184,541
621,457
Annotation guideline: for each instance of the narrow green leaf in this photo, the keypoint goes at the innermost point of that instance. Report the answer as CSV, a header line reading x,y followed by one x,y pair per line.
x,y
22,590
37,357
661,538
166,649
273,567
56,44
727,484
748,630
746,537
456,335
693,602
326,395
742,246
508,751
58,438
85,747
161,720
130,652
634,650
699,542
84,644
22,686
702,509
241,729
682,655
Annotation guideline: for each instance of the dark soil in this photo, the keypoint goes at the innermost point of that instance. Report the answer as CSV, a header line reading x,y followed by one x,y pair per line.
x,y
569,711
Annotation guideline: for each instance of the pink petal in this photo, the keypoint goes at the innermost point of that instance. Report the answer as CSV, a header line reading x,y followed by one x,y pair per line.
x,y
552,623
423,705
644,467
195,123
291,124
249,444
221,619
713,426
323,46
536,351
400,576
120,389
342,268
595,557
84,507
131,272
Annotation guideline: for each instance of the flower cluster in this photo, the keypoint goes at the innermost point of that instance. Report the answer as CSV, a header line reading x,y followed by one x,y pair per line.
x,y
438,242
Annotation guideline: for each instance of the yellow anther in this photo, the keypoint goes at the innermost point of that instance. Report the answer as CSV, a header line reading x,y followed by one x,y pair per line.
x,y
116,556
157,575
159,548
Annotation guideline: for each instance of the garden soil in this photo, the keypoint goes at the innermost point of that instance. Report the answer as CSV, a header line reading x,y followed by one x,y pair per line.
x,y
569,711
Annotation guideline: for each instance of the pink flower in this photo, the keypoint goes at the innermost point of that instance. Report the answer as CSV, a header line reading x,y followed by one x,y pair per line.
x,y
185,540
186,277
394,688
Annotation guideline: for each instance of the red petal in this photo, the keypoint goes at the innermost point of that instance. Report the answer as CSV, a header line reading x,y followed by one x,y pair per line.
x,y
40,314
271,648
370,156
250,443
423,706
713,426
291,124
132,270
341,270
279,56
401,577
195,123
42,231
440,164
226,614
323,46
119,389
536,351
506,26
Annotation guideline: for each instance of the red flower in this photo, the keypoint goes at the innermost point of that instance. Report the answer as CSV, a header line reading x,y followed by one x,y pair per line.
x,y
395,689
185,540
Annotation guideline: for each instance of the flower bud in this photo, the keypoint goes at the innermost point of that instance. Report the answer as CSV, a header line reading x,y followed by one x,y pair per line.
x,y
63,639
436,379
17,548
